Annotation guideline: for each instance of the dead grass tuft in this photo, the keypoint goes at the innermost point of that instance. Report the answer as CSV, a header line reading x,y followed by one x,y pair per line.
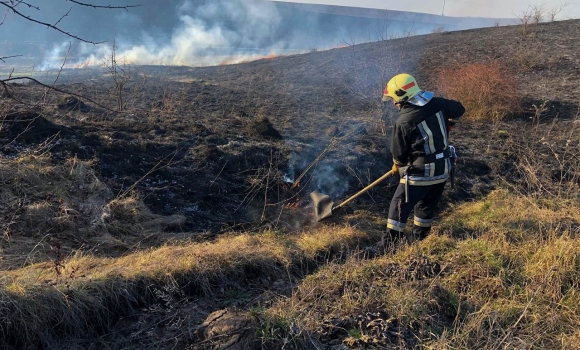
x,y
55,207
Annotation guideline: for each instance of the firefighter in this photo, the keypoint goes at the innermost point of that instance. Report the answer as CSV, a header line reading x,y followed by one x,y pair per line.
x,y
421,153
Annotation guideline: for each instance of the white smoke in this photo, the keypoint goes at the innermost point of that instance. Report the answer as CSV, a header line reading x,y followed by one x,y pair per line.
x,y
211,34
55,57
330,181
232,31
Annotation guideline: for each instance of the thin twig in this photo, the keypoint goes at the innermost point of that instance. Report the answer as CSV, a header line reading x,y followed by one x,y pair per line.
x,y
4,81
126,7
7,57
59,72
63,16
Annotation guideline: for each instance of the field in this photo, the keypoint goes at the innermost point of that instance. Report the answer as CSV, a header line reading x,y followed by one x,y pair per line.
x,y
148,207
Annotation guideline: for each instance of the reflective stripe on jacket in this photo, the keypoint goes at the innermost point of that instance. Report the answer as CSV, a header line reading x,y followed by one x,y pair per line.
x,y
422,131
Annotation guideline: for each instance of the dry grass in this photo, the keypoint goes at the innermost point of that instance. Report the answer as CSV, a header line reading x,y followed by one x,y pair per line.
x,y
487,90
98,290
56,206
509,278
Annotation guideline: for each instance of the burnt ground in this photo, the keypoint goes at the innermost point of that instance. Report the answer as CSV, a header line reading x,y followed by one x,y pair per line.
x,y
222,146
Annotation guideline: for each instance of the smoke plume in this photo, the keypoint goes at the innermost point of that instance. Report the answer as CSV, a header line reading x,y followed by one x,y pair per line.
x,y
204,32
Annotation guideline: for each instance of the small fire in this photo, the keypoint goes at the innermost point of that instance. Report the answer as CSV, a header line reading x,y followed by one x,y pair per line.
x,y
294,205
83,64
241,59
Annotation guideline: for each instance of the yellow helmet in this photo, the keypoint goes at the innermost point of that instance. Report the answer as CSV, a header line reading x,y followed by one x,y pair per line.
x,y
401,88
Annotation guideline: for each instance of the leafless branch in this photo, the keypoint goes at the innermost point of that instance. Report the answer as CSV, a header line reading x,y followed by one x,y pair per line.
x,y
5,85
63,16
556,11
127,7
18,2
31,19
4,17
7,57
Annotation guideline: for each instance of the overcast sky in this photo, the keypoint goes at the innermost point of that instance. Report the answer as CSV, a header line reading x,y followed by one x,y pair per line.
x,y
472,8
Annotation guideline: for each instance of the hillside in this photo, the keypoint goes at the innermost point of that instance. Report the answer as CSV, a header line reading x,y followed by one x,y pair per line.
x,y
178,222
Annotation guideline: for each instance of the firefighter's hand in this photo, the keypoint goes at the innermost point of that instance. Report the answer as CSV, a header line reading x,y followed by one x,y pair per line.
x,y
395,168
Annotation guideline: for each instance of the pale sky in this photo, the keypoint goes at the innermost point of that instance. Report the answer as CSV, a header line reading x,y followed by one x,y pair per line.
x,y
460,8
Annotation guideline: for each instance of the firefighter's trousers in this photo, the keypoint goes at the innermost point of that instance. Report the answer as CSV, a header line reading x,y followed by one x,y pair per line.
x,y
423,199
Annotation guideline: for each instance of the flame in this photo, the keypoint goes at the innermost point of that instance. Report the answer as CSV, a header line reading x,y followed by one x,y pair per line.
x,y
80,65
294,205
230,60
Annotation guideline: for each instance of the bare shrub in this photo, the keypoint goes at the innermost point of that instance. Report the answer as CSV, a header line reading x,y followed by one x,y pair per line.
x,y
554,12
525,59
548,168
487,90
525,18
538,14
539,110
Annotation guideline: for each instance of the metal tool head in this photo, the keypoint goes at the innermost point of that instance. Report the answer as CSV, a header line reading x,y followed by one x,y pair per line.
x,y
323,205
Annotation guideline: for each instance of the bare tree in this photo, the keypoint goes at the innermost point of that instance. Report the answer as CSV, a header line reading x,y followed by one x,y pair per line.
x,y
557,10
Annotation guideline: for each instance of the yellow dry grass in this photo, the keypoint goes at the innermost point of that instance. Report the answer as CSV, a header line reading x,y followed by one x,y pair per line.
x,y
199,258
510,275
43,200
101,288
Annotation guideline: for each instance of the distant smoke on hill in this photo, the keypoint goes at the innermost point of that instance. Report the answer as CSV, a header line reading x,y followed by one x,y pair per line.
x,y
212,32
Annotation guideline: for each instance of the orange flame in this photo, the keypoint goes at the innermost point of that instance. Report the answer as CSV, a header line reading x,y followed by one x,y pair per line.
x,y
294,205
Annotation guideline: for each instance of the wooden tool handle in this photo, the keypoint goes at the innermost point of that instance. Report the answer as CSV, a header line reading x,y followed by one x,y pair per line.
x,y
364,190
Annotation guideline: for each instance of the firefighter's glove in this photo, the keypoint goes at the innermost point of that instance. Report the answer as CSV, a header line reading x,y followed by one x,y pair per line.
x,y
395,168
451,125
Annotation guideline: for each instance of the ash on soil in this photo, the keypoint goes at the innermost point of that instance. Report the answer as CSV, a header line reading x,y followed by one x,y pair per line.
x,y
214,144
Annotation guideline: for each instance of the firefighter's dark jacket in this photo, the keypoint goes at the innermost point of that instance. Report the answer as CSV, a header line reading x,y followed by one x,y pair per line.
x,y
420,141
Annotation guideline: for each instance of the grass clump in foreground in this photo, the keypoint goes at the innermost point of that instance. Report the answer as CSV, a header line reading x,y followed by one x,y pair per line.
x,y
500,273
88,294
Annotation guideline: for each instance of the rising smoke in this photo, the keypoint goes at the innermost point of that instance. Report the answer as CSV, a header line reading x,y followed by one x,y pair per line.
x,y
204,32
207,34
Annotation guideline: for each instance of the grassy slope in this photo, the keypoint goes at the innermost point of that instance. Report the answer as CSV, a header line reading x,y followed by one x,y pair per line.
x,y
509,277
500,272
